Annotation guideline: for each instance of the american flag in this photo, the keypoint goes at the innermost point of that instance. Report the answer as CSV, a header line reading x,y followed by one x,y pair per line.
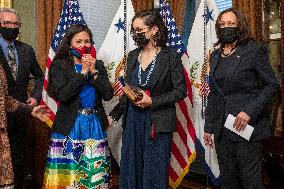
x,y
183,145
205,90
70,15
118,86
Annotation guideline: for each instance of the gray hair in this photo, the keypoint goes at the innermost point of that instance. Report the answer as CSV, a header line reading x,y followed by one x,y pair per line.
x,y
6,9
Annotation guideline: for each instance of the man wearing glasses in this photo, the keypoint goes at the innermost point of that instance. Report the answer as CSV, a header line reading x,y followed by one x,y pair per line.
x,y
19,62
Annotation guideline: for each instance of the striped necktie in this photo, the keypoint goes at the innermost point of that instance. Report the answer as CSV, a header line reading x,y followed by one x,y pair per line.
x,y
12,61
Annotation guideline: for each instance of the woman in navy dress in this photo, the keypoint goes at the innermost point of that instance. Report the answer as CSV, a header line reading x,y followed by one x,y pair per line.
x,y
149,124
78,154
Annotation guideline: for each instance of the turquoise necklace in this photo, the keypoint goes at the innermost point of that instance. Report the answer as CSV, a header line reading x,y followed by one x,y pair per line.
x,y
150,71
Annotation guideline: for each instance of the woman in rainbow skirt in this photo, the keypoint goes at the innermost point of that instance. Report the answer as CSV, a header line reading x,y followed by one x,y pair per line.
x,y
78,155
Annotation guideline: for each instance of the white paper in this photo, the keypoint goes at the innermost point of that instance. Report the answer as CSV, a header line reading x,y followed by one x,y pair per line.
x,y
246,133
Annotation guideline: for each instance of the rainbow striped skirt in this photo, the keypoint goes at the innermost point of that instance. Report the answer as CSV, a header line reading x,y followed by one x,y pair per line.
x,y
79,160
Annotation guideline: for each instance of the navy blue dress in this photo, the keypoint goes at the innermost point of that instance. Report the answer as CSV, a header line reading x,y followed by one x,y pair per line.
x,y
144,158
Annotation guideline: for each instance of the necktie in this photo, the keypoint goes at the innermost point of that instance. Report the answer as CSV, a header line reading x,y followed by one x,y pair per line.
x,y
12,61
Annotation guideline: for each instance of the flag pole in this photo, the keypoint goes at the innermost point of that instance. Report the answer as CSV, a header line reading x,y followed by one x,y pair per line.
x,y
204,59
203,100
124,36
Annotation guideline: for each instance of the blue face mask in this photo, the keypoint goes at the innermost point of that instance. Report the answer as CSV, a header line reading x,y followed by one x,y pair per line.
x,y
78,53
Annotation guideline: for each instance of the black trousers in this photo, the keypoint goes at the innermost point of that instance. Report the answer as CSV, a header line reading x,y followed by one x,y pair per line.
x,y
239,163
17,130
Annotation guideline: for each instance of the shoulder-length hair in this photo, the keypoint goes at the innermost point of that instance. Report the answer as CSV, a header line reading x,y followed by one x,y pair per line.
x,y
242,24
63,52
152,18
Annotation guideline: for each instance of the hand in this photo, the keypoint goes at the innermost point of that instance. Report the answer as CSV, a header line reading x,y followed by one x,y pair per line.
x,y
241,121
208,140
41,112
31,101
91,61
85,66
110,120
92,65
145,102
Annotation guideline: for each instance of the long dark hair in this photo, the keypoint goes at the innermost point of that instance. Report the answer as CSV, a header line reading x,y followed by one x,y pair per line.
x,y
242,24
152,18
64,46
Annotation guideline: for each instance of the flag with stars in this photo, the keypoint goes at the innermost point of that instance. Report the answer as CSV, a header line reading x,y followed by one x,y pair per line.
x,y
112,49
183,145
116,44
200,44
70,15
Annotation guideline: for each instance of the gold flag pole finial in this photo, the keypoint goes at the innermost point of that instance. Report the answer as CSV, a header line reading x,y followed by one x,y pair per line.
x,y
6,3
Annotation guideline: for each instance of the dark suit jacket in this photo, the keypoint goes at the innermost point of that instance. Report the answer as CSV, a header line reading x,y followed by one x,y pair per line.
x,y
65,86
168,88
27,65
250,88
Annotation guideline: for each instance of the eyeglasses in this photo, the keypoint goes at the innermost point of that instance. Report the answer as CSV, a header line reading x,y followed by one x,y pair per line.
x,y
138,30
10,24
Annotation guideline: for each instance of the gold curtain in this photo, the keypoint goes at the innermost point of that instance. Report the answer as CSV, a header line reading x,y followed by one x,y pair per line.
x,y
38,134
140,5
253,12
178,10
48,13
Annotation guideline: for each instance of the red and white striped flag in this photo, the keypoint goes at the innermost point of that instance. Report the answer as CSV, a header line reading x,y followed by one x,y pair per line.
x,y
118,88
183,145
205,89
70,15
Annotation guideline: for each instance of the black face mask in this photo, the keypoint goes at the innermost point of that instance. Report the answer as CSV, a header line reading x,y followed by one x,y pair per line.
x,y
9,34
228,35
140,39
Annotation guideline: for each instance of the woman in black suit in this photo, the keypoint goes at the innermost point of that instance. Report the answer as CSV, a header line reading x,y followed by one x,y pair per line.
x,y
78,152
242,83
149,123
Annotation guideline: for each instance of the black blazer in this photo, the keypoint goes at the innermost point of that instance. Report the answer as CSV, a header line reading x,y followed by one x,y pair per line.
x,y
27,65
65,86
169,87
250,88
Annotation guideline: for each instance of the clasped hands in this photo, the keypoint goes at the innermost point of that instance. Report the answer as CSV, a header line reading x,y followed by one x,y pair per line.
x,y
88,65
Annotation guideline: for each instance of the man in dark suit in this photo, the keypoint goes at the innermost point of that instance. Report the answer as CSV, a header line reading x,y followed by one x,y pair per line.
x,y
19,61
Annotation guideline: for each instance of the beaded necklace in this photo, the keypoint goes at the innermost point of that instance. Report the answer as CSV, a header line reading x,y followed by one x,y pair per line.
x,y
150,71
